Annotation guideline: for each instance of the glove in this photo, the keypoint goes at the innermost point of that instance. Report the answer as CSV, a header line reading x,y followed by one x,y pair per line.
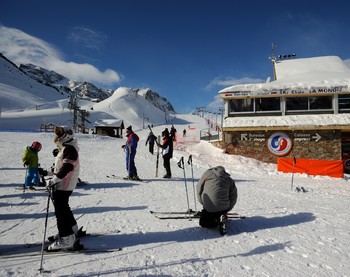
x,y
123,146
51,183
55,152
42,172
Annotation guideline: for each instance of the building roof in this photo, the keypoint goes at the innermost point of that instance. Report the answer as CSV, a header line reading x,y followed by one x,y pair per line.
x,y
307,74
117,123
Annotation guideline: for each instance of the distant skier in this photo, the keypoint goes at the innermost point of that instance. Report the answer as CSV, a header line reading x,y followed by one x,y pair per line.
x,y
167,152
31,161
173,133
184,133
217,192
130,150
151,140
64,181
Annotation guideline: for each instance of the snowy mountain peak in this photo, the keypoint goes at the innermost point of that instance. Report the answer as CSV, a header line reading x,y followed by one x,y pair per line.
x,y
36,96
86,90
48,85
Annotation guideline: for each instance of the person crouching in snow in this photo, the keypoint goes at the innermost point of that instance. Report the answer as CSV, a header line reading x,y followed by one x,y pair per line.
x,y
130,151
217,192
31,161
66,172
167,152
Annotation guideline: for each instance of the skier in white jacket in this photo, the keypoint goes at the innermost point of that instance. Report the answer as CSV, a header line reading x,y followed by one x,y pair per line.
x,y
66,173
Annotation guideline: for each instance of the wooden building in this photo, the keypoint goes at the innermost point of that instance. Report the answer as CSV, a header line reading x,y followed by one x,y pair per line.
x,y
109,127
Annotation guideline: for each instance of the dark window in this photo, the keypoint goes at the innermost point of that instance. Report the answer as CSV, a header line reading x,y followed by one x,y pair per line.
x,y
320,103
297,104
267,104
344,101
241,105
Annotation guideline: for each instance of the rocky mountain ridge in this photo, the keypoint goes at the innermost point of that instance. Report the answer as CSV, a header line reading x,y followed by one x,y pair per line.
x,y
84,90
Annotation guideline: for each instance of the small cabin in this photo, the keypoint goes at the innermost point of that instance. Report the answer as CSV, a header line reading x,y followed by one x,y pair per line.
x,y
47,127
109,127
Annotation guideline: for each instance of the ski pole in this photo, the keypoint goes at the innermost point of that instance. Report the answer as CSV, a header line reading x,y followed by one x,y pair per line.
x,y
181,165
25,178
129,160
294,162
157,163
46,218
193,186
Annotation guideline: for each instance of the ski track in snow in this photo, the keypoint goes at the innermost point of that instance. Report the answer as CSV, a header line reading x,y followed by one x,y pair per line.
x,y
285,233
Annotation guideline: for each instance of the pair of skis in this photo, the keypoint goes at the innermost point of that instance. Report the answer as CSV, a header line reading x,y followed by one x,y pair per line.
x,y
125,179
189,215
31,189
13,252
62,252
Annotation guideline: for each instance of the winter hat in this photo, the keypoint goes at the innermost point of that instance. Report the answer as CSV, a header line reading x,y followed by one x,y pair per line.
x,y
129,129
36,146
62,134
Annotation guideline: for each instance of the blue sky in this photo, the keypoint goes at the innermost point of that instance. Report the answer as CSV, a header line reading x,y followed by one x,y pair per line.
x,y
186,50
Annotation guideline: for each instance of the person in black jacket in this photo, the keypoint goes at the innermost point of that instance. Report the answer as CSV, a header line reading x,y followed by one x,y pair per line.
x,y
167,152
151,140
173,133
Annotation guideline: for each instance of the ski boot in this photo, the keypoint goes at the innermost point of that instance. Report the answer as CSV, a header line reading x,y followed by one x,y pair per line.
x,y
223,224
67,243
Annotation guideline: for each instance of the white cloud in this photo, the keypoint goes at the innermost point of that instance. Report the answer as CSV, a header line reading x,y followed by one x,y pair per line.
x,y
231,81
22,48
219,83
88,38
216,104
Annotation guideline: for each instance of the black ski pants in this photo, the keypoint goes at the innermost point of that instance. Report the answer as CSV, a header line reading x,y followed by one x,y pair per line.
x,y
166,164
64,215
151,147
210,220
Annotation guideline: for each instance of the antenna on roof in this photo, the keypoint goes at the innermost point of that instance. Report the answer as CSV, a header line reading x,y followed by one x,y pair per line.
x,y
273,60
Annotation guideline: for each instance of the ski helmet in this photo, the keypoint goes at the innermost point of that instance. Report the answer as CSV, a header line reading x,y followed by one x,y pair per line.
x,y
36,145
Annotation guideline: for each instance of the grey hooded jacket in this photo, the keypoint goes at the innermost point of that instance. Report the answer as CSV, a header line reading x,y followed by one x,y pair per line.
x,y
216,190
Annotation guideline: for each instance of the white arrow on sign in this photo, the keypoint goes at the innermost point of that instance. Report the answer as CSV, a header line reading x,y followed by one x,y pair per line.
x,y
317,137
244,137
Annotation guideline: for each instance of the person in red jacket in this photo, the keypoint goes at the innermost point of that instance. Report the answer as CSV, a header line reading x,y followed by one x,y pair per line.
x,y
130,150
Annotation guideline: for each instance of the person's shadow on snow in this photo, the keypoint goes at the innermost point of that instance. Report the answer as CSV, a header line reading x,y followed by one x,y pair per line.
x,y
247,225
255,223
113,240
